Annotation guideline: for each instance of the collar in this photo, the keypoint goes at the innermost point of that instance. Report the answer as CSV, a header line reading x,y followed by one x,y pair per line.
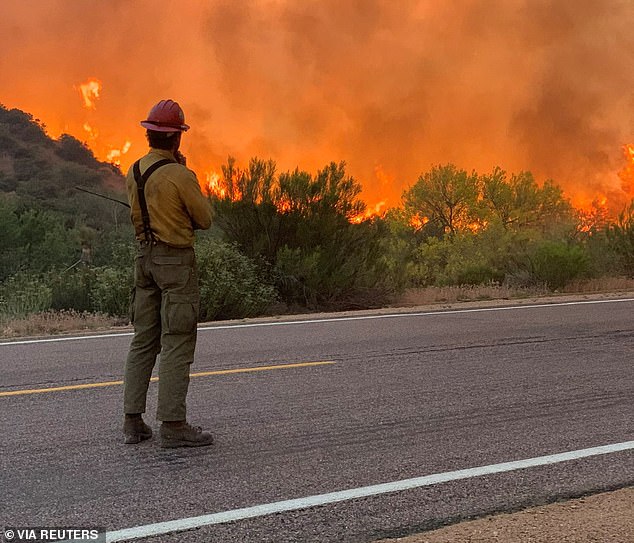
x,y
163,153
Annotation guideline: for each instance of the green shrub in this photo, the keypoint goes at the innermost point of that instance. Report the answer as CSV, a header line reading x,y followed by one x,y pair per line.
x,y
230,283
110,290
621,240
71,289
23,294
556,263
429,262
349,271
464,259
297,275
477,273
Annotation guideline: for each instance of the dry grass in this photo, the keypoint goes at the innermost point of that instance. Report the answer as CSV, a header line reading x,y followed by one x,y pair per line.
x,y
452,294
433,295
57,322
605,284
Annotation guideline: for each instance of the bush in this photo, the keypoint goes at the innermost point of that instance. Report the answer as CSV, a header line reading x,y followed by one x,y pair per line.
x,y
230,284
464,259
71,289
621,239
110,290
350,270
22,294
556,263
297,275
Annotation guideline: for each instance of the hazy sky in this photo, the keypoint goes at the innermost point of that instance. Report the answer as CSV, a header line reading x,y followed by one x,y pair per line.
x,y
391,87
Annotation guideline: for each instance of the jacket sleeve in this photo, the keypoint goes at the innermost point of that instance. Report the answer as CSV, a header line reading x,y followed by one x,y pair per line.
x,y
196,204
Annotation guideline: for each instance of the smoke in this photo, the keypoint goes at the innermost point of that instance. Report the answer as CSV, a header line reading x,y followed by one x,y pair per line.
x,y
391,87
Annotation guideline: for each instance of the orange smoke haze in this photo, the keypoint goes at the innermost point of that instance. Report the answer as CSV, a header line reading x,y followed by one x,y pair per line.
x,y
390,87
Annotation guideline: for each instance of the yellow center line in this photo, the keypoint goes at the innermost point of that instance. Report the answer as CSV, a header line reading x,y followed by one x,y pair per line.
x,y
154,379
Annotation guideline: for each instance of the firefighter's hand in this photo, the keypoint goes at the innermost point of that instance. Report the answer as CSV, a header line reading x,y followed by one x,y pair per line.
x,y
180,158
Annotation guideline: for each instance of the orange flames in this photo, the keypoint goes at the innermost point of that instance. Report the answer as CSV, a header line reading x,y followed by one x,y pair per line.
x,y
90,91
417,222
114,155
598,207
213,185
376,210
92,133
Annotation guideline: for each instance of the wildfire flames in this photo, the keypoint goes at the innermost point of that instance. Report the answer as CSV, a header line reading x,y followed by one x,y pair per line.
x,y
89,91
391,88
211,182
417,222
213,185
91,132
374,210
114,155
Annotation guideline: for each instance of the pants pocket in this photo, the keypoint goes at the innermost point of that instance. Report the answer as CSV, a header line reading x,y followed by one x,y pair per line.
x,y
181,313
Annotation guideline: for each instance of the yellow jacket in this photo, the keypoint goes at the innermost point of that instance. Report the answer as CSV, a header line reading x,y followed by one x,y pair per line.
x,y
175,202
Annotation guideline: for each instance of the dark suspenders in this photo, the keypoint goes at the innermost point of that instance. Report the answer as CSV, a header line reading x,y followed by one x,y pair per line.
x,y
141,180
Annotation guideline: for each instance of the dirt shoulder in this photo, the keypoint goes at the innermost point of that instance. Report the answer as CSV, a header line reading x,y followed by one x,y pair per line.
x,y
601,518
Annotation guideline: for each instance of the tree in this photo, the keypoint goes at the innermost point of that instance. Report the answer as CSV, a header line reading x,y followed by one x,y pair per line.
x,y
445,196
244,208
498,198
24,127
337,192
519,202
298,228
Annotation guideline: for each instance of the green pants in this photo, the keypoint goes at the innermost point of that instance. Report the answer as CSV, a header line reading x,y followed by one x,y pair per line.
x,y
164,311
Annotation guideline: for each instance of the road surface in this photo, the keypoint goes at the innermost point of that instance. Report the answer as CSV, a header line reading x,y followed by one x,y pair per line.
x,y
352,429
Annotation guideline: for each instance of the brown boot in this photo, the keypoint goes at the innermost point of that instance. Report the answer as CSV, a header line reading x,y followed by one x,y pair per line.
x,y
135,430
181,434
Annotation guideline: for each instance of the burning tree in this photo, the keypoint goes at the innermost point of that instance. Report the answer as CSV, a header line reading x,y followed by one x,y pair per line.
x,y
444,196
300,228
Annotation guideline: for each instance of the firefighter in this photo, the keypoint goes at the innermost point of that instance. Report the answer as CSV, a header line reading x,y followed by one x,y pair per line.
x,y
166,207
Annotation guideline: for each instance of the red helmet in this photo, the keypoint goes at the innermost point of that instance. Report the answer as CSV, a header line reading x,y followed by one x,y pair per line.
x,y
166,116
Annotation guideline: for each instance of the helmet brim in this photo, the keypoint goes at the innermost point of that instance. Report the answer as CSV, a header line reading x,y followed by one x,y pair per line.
x,y
162,127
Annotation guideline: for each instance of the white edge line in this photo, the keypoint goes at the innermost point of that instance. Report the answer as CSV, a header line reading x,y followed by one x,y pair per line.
x,y
330,319
355,493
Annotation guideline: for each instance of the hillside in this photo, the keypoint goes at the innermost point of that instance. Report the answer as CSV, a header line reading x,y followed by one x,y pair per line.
x,y
38,172
46,223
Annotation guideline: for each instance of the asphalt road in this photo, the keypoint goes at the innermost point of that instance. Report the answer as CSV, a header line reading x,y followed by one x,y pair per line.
x,y
403,397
